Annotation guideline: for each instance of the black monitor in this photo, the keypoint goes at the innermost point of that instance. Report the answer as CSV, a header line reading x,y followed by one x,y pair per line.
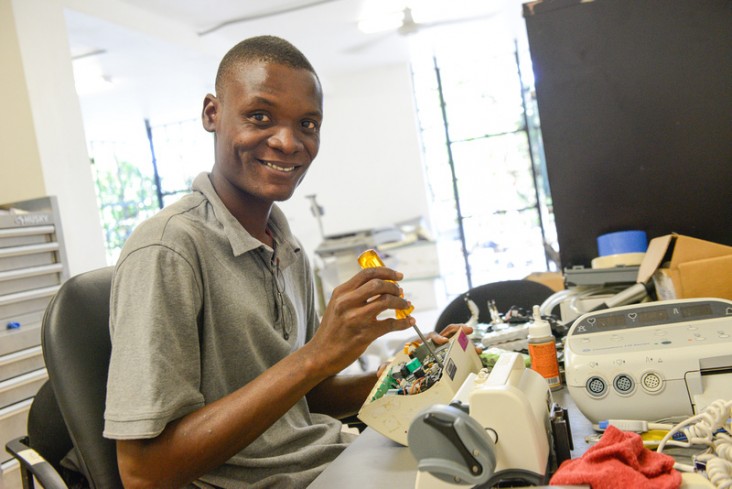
x,y
635,102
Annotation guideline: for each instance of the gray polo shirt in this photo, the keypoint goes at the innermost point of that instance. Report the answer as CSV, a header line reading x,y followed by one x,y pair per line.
x,y
199,308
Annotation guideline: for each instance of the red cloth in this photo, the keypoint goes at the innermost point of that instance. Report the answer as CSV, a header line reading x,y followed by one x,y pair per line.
x,y
619,461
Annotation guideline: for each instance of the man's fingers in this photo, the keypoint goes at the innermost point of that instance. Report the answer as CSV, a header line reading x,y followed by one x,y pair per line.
x,y
451,329
388,325
377,294
444,336
368,274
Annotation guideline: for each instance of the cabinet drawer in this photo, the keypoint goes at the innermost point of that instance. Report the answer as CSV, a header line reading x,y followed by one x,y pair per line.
x,y
16,257
13,424
23,279
26,235
26,336
11,475
22,386
20,362
12,305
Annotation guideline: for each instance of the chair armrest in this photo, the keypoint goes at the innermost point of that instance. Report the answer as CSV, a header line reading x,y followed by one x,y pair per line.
x,y
354,422
31,462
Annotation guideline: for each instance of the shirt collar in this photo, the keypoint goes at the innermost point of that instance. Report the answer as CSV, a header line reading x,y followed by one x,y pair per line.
x,y
288,247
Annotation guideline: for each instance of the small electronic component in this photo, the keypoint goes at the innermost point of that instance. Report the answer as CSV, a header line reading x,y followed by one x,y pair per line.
x,y
415,380
415,375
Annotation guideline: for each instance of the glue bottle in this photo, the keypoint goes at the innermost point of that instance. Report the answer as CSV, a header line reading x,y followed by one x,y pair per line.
x,y
543,350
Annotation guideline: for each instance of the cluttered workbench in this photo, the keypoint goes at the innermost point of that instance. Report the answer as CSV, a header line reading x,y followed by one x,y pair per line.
x,y
374,460
623,366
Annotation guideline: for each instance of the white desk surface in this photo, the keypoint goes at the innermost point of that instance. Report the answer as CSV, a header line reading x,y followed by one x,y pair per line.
x,y
375,461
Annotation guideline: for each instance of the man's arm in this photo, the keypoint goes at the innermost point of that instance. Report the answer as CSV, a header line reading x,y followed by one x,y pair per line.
x,y
341,396
204,439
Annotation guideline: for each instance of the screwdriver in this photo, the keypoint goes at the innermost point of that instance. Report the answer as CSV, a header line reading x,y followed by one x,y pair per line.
x,y
371,259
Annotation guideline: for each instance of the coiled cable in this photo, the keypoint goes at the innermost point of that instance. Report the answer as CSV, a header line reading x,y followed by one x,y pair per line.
x,y
713,428
719,472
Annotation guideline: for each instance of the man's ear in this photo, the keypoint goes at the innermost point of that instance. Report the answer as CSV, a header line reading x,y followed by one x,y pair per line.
x,y
210,112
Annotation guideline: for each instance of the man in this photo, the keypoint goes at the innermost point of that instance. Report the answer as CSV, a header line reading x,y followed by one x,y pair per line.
x,y
219,370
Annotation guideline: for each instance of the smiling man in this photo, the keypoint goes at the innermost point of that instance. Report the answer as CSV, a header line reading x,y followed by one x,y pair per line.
x,y
221,374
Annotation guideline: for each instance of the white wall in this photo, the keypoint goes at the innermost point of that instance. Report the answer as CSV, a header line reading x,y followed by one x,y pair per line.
x,y
369,171
57,128
368,174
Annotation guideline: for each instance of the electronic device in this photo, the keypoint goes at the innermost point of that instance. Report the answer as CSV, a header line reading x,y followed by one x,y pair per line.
x,y
415,380
504,437
512,338
650,361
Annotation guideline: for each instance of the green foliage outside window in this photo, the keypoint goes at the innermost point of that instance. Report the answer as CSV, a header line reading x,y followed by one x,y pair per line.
x,y
126,197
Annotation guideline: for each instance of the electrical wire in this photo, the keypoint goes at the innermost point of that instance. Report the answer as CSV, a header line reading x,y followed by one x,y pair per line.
x,y
572,297
700,428
719,472
711,428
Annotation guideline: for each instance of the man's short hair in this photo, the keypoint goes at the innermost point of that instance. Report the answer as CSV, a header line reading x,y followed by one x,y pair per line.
x,y
268,49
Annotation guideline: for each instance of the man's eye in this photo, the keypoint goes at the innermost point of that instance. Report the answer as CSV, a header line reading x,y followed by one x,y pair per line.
x,y
310,125
260,117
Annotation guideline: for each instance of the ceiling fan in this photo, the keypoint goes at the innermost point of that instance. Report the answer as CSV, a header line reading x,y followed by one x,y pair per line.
x,y
403,23
270,13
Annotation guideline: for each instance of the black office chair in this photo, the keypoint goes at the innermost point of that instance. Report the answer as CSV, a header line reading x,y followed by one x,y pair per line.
x,y
522,294
76,349
40,452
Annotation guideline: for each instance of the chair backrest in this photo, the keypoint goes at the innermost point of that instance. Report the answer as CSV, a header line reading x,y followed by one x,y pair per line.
x,y
76,349
506,294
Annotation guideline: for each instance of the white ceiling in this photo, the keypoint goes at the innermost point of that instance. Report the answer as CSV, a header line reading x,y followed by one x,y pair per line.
x,y
161,55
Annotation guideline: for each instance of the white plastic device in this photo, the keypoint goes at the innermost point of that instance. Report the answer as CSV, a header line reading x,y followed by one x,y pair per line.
x,y
511,338
650,361
391,415
513,405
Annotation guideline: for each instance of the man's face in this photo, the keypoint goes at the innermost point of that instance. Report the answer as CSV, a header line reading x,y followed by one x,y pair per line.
x,y
267,123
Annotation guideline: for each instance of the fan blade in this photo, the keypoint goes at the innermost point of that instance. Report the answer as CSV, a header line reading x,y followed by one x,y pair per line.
x,y
358,48
459,20
263,15
88,54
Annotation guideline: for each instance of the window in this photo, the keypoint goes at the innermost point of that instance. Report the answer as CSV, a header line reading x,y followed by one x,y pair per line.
x,y
491,208
136,179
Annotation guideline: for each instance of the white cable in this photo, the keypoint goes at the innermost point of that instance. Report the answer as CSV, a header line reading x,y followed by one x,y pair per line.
x,y
553,300
714,417
699,429
705,429
719,472
474,312
572,296
723,445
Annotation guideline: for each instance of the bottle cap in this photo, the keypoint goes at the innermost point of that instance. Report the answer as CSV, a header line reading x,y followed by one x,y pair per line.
x,y
539,327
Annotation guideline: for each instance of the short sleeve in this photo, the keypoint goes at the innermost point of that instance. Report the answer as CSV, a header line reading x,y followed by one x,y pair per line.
x,y
154,373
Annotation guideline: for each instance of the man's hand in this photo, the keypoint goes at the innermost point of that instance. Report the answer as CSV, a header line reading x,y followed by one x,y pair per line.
x,y
350,323
448,332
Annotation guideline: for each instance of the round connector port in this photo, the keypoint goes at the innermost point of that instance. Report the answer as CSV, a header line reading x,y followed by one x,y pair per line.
x,y
652,382
624,384
596,386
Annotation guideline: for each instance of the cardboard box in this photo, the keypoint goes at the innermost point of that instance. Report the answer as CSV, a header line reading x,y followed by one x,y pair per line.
x,y
553,280
683,267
